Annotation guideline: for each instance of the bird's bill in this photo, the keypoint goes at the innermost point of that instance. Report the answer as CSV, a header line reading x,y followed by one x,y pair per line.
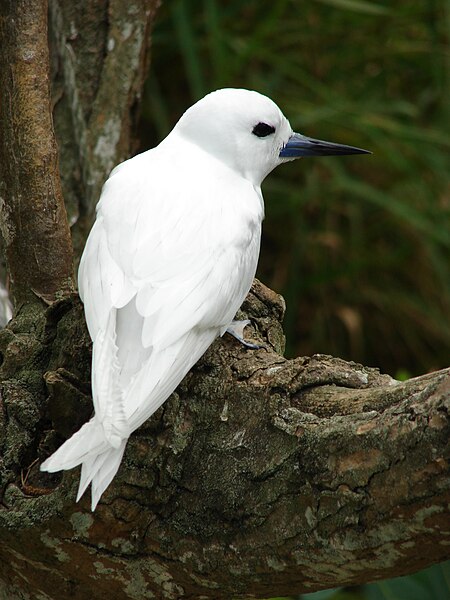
x,y
299,145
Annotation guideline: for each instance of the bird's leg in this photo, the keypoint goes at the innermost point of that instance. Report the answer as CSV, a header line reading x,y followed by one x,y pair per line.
x,y
236,329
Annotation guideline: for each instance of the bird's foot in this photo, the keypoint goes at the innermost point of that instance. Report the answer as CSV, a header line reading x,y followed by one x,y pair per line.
x,y
236,329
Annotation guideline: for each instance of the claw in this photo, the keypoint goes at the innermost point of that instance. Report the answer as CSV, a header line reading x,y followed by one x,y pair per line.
x,y
236,329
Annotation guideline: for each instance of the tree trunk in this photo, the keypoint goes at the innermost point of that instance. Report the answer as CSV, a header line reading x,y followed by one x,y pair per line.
x,y
260,476
34,223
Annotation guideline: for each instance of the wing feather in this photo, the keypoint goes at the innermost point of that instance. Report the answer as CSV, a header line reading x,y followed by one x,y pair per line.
x,y
173,268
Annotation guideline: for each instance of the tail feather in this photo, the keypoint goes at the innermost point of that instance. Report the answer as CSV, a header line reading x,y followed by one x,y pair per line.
x,y
105,474
87,442
99,460
86,476
99,445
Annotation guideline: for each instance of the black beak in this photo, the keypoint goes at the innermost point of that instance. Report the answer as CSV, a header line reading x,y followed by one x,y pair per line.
x,y
300,145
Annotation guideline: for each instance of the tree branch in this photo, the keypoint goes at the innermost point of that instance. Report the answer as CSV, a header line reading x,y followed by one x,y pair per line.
x,y
33,217
260,476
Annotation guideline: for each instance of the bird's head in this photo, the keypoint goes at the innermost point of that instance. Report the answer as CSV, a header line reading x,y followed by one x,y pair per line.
x,y
249,133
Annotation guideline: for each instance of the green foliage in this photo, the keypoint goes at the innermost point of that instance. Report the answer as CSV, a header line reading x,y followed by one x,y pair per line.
x,y
358,246
430,584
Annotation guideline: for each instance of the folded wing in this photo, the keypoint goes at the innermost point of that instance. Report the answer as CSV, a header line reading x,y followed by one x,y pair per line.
x,y
162,275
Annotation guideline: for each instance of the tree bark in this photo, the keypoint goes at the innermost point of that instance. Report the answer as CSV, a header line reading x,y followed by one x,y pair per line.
x,y
33,218
100,55
260,476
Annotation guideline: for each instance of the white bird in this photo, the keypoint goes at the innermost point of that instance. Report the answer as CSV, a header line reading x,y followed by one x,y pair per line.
x,y
169,261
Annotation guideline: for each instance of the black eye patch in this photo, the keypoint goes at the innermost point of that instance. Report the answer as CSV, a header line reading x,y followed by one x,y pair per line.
x,y
263,130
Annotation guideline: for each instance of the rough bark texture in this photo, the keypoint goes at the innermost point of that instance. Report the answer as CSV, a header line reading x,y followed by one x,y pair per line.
x,y
33,219
100,56
260,475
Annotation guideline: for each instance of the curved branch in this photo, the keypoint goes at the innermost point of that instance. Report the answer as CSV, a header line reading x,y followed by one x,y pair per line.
x,y
261,475
33,217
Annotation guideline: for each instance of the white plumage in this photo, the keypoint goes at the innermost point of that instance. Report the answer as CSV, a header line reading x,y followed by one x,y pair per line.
x,y
167,264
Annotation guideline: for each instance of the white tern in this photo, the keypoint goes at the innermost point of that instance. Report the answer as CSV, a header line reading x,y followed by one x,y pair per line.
x,y
169,260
